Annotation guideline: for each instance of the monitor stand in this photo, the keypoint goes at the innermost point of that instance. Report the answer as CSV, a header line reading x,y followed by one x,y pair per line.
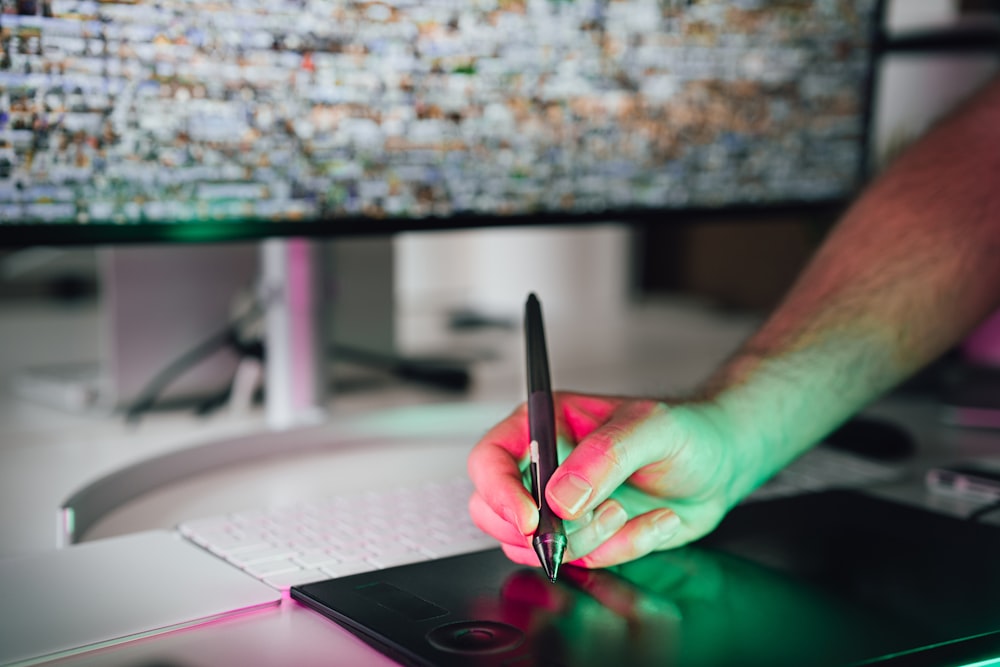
x,y
295,359
328,301
158,303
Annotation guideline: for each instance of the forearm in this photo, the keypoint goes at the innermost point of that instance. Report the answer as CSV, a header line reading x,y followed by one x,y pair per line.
x,y
914,264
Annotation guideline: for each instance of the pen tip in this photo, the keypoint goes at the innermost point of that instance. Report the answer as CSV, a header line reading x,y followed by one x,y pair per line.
x,y
551,570
550,550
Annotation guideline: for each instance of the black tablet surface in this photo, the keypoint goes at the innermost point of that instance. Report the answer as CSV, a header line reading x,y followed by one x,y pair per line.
x,y
833,578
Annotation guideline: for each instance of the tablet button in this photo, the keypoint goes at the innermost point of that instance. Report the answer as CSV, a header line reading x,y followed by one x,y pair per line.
x,y
475,637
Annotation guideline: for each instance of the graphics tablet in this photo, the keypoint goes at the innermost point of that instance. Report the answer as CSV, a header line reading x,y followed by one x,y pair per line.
x,y
832,578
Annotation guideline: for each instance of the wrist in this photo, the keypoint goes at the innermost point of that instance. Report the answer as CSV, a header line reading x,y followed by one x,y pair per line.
x,y
741,455
775,408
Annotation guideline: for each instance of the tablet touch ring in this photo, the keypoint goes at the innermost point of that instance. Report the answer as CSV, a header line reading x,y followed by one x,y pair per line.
x,y
475,637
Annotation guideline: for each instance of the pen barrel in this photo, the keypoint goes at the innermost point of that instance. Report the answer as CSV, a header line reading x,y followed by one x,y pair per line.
x,y
541,420
549,522
538,356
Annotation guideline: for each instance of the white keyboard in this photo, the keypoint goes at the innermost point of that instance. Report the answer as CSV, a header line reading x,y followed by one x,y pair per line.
x,y
323,539
341,535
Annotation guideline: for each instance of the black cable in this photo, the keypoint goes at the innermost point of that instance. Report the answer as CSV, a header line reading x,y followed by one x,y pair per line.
x,y
228,336
252,350
441,373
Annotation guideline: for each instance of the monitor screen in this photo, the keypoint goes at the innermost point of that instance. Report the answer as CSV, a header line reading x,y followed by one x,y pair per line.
x,y
184,119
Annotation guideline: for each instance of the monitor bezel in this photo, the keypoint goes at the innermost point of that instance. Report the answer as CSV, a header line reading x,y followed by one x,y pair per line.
x,y
233,231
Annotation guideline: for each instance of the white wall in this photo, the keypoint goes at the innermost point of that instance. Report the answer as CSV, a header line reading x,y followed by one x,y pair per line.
x,y
917,89
572,269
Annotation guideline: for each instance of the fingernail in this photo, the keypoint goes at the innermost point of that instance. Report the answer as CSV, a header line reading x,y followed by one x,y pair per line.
x,y
571,492
610,520
666,525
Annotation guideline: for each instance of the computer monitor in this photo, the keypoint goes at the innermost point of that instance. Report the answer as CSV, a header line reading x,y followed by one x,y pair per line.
x,y
187,121
183,121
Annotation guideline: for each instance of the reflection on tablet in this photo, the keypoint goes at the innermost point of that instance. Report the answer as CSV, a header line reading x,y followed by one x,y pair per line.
x,y
686,607
827,580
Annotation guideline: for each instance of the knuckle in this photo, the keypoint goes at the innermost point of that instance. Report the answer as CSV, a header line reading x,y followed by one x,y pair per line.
x,y
659,410
615,454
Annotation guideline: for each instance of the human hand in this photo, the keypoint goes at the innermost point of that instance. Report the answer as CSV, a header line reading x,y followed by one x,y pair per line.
x,y
637,475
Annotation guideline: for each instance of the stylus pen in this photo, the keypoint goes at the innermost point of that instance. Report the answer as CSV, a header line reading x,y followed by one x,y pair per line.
x,y
550,536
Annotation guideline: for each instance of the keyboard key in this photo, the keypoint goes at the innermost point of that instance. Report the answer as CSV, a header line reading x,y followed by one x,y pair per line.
x,y
314,558
229,544
347,552
267,553
271,567
285,580
345,569
396,557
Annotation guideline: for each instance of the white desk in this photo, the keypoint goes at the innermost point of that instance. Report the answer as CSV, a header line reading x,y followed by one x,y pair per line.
x,y
382,439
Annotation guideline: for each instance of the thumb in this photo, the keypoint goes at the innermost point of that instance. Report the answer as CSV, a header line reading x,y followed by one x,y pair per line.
x,y
635,436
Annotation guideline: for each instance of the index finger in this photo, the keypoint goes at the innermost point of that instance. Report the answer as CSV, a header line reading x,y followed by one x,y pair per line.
x,y
494,466
632,438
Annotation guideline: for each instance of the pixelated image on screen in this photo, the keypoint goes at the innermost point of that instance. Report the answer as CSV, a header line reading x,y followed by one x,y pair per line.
x,y
182,111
